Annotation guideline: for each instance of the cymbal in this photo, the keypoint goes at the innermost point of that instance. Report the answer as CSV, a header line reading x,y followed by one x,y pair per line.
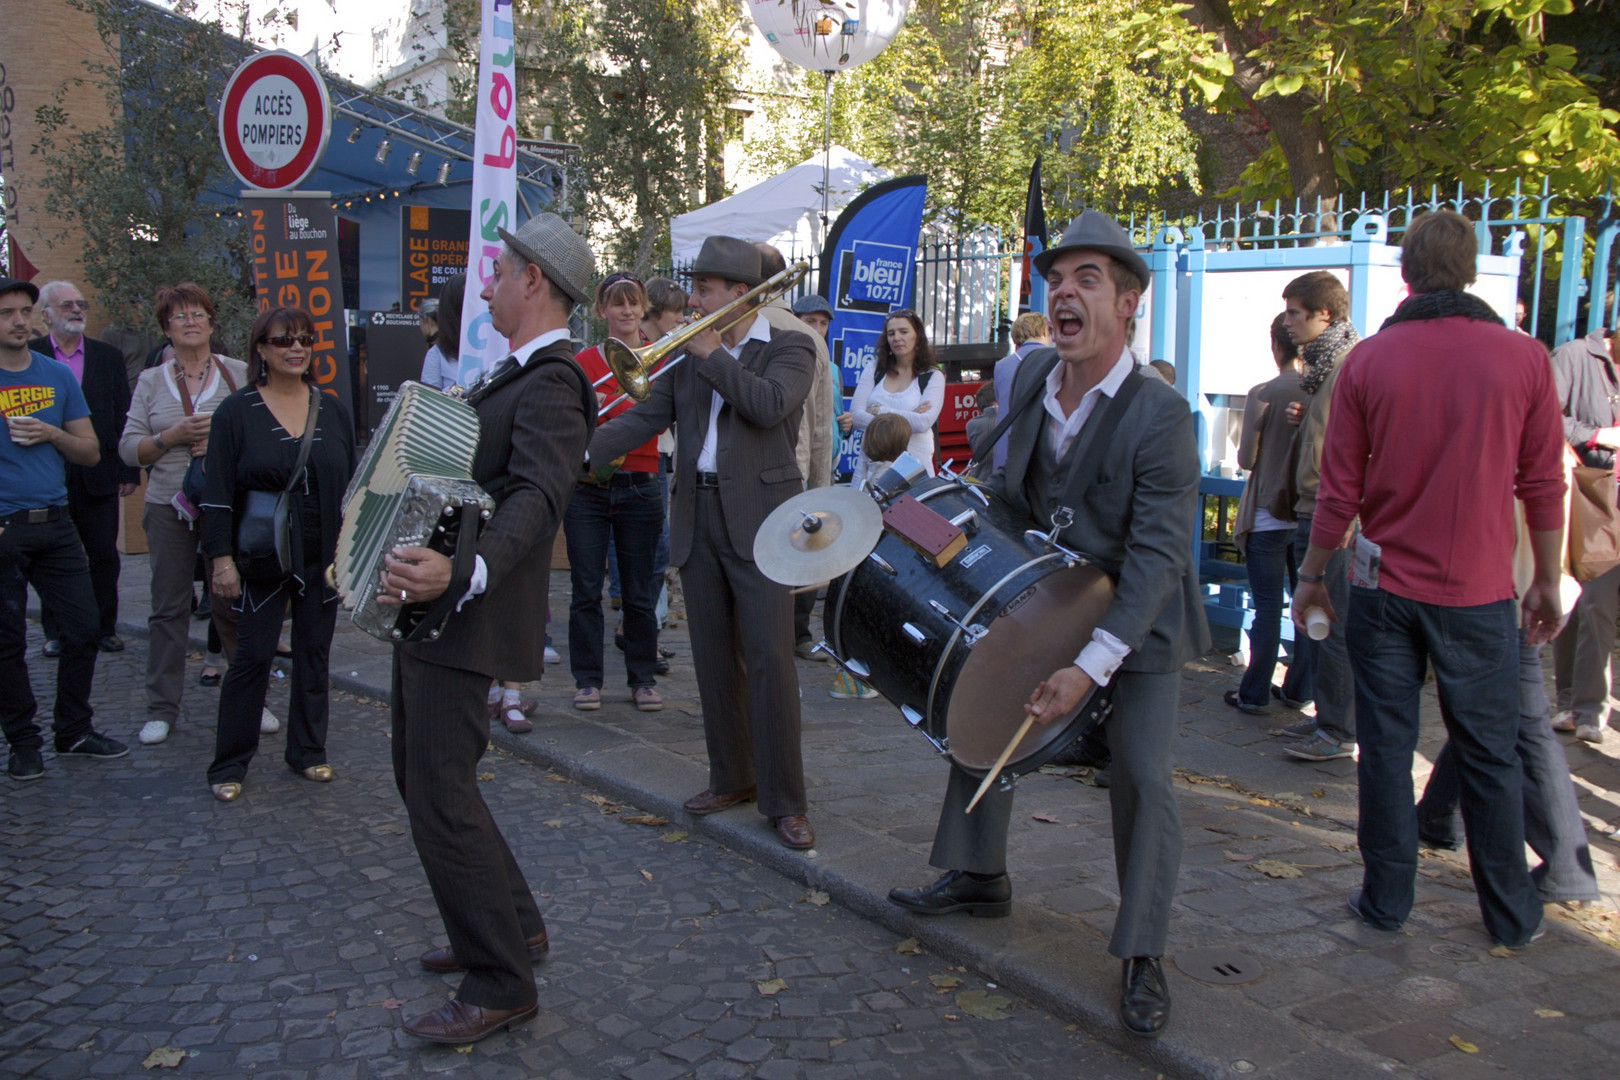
x,y
817,535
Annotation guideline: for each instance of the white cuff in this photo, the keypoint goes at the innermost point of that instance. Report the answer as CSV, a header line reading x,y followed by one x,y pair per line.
x,y
1102,656
475,586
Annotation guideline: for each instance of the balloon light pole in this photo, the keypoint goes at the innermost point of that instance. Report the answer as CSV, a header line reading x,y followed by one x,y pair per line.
x,y
829,36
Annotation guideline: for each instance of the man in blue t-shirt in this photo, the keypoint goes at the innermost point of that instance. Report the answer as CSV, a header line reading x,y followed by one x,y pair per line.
x,y
47,424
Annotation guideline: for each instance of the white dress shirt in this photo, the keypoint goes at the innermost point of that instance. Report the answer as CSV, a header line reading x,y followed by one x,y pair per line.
x,y
1104,653
708,457
522,354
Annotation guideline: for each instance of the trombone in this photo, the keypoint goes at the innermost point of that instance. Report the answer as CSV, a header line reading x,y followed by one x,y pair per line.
x,y
635,369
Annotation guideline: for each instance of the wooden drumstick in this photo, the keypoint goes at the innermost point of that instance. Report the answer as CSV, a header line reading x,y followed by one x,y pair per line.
x,y
990,777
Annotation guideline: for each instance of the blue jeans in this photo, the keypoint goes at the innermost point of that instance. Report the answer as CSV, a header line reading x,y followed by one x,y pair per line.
x,y
1474,652
627,513
1552,822
1269,556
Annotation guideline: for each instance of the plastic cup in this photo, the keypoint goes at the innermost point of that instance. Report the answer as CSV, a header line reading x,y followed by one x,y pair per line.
x,y
1316,623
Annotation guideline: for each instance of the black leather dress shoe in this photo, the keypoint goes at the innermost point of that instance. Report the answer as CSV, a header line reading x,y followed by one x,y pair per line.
x,y
958,891
111,643
53,648
458,1023
1144,997
443,961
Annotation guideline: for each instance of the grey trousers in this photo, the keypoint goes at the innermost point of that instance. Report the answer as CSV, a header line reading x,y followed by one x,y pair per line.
x,y
1593,621
172,547
742,649
1563,650
1335,685
1146,820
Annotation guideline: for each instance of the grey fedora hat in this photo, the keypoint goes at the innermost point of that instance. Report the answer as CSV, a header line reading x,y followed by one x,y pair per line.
x,y
1097,232
560,252
813,304
729,258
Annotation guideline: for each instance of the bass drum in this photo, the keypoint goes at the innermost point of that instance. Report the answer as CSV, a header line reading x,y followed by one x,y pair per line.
x,y
960,648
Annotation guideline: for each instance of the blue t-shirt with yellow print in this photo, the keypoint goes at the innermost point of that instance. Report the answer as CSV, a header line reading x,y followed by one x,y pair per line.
x,y
33,476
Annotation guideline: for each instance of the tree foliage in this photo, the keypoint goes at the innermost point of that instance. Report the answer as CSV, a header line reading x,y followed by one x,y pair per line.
x,y
1386,93
136,187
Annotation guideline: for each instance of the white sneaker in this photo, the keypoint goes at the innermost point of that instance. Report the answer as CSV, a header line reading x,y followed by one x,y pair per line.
x,y
268,724
1591,733
1563,720
552,656
153,732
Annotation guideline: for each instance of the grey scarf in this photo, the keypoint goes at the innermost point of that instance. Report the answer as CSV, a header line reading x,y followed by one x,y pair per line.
x,y
1321,351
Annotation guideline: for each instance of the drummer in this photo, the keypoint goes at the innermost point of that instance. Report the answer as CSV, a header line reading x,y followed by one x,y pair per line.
x,y
1133,498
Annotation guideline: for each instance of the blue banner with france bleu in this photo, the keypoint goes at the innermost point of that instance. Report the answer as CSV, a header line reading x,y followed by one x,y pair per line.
x,y
868,268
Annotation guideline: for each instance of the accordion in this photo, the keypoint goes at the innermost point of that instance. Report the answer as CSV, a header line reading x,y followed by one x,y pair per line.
x,y
413,487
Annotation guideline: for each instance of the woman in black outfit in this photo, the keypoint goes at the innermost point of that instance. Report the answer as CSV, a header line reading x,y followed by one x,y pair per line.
x,y
254,446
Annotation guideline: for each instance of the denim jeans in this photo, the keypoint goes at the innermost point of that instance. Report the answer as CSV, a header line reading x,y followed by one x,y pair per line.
x,y
628,514
1473,650
1269,556
1325,664
1552,822
660,557
49,556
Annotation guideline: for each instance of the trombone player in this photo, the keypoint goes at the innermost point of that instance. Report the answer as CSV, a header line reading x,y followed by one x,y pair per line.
x,y
736,395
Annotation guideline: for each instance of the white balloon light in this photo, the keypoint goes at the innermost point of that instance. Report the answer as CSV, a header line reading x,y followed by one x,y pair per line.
x,y
829,35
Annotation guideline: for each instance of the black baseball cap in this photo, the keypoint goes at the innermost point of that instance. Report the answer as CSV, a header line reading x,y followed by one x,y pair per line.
x,y
8,285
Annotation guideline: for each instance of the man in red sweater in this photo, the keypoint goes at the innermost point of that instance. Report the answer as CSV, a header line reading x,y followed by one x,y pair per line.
x,y
1439,420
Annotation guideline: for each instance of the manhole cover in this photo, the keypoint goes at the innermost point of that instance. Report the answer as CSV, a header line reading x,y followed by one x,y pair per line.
x,y
1219,966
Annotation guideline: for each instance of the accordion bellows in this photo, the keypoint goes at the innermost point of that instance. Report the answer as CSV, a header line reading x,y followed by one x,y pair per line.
x,y
413,486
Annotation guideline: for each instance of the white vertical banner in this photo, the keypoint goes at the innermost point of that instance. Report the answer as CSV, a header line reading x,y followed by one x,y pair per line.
x,y
494,184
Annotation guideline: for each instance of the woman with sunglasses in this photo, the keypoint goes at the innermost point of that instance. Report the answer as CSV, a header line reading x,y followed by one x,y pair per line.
x,y
256,444
619,502
903,379
168,427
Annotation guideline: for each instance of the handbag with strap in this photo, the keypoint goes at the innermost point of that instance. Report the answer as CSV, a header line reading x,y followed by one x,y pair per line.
x,y
190,496
263,528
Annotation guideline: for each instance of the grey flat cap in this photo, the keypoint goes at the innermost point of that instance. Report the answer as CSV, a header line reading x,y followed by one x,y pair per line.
x,y
1096,232
813,304
729,258
560,253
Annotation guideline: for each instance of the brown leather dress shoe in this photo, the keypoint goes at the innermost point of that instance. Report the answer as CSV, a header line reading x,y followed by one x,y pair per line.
x,y
795,832
707,802
456,1022
444,962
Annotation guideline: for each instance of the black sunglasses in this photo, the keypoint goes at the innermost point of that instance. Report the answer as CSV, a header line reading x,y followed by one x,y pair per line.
x,y
285,341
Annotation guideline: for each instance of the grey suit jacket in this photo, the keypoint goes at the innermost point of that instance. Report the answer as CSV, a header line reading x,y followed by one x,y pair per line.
x,y
1136,519
763,392
530,446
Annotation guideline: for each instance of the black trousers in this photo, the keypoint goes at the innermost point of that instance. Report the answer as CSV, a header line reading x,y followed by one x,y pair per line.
x,y
49,557
260,611
803,605
96,519
440,731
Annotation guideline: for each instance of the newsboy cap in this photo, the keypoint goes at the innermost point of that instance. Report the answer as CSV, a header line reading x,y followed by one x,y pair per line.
x,y
814,304
729,258
560,253
8,285
1097,232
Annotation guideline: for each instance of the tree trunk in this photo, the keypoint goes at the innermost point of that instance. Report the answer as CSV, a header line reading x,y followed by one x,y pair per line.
x,y
1298,131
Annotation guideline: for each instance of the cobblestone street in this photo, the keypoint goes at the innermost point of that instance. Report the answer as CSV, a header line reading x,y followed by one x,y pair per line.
x,y
277,937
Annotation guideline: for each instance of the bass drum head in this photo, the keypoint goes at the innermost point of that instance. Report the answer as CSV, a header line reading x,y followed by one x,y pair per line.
x,y
1037,632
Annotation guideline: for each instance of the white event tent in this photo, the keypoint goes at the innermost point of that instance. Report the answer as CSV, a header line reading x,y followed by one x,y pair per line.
x,y
784,210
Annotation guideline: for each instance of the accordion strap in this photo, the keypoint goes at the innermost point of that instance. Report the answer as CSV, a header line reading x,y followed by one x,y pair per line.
x,y
462,564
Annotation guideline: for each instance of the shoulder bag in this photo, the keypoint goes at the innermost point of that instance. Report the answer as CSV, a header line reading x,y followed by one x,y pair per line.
x,y
190,496
263,529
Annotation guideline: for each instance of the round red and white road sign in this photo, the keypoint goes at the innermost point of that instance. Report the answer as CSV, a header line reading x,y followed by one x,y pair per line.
x,y
274,120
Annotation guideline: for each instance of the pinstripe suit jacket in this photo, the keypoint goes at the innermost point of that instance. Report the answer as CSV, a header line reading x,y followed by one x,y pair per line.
x,y
531,443
763,391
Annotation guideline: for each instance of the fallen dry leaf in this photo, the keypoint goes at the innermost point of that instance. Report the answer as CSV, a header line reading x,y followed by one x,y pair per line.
x,y
164,1057
464,1049
392,1003
1464,1045
771,987
1238,856
1275,868
816,897
644,819
1548,1014
1501,952
1318,793
644,874
673,837
983,1004
1337,846
486,776
909,947
1050,819
555,823
945,982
